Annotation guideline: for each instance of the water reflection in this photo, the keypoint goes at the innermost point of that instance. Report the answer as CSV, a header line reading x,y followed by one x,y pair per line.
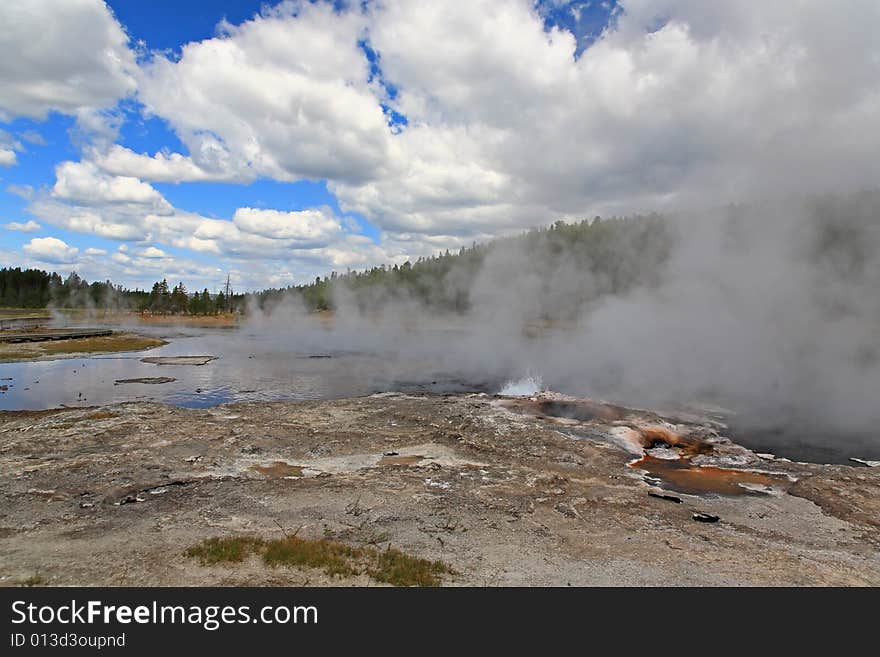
x,y
250,367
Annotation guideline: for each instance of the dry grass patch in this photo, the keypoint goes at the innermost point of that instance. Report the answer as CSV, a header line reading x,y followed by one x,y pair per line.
x,y
216,550
400,569
334,558
100,415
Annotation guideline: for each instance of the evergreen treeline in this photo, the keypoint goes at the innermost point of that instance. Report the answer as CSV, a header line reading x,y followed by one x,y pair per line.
x,y
563,266
177,300
560,268
34,288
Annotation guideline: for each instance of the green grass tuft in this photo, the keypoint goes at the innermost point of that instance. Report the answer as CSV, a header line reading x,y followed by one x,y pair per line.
x,y
35,580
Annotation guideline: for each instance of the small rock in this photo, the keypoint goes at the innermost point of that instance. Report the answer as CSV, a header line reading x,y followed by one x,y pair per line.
x,y
567,510
668,498
705,517
130,499
152,380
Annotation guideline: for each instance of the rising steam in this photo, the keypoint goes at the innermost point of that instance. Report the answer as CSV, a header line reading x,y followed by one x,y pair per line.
x,y
770,309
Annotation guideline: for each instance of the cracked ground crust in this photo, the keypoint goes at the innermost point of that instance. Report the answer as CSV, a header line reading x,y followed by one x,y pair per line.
x,y
115,495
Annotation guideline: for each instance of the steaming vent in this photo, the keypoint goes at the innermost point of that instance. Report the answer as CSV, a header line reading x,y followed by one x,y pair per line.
x,y
524,387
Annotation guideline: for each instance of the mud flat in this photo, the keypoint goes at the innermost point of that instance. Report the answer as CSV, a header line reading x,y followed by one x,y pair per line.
x,y
66,343
536,491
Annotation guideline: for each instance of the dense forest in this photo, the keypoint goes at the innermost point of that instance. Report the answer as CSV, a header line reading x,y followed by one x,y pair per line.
x,y
563,267
34,288
607,256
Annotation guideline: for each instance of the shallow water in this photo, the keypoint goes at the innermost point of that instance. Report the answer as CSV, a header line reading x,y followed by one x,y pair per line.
x,y
259,366
249,367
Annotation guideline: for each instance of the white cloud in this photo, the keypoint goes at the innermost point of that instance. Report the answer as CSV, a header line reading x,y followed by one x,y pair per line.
x,y
95,252
8,146
304,228
283,96
166,167
23,191
86,199
84,183
726,101
152,252
120,222
7,157
50,249
29,226
68,56
506,127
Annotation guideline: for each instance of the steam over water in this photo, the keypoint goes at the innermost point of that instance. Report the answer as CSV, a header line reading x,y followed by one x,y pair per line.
x,y
252,366
770,311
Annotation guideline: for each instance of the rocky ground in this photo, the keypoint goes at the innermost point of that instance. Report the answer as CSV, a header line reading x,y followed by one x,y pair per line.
x,y
541,491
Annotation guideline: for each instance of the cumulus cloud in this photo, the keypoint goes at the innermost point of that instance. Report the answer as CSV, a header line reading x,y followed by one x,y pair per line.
x,y
285,96
50,249
472,120
723,101
84,183
68,56
152,252
122,222
167,167
87,199
303,228
677,103
29,226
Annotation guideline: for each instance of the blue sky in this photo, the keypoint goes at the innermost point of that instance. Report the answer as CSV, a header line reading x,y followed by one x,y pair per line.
x,y
164,27
277,142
